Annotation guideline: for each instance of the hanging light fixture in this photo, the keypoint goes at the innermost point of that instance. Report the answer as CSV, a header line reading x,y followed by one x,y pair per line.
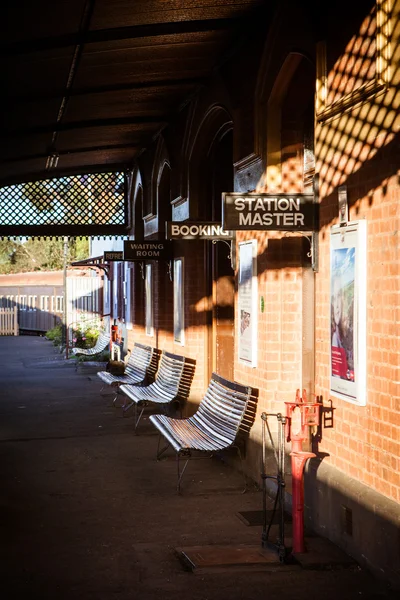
x,y
52,161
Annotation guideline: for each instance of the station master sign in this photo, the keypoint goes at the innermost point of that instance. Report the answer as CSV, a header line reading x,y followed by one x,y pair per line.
x,y
269,212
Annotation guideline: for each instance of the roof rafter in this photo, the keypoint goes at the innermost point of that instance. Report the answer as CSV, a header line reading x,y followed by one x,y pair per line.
x,y
106,89
119,33
110,122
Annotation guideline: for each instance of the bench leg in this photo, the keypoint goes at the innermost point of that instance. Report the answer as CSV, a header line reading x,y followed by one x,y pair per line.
x,y
137,418
161,452
103,388
241,468
126,406
116,396
180,473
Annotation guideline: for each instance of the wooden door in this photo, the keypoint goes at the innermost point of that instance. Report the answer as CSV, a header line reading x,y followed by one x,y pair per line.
x,y
223,297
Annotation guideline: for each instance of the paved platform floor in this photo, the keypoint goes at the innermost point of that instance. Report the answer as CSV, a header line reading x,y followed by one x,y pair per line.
x,y
87,513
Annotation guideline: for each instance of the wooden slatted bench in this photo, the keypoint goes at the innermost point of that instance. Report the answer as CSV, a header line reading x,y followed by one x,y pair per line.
x,y
140,369
101,344
171,385
226,408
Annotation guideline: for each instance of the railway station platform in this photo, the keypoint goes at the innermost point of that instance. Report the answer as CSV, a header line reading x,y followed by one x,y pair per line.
x,y
87,513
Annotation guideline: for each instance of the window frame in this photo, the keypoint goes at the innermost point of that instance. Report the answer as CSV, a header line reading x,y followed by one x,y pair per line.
x,y
149,300
179,300
380,82
44,303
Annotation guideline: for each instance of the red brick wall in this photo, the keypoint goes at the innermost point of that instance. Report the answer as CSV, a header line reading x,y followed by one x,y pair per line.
x,y
196,303
195,315
279,333
358,147
364,442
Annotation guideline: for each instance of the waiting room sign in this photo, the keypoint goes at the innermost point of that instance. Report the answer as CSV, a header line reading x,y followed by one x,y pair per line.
x,y
269,212
147,250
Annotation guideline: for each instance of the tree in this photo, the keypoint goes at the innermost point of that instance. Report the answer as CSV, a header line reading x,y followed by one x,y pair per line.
x,y
8,249
39,254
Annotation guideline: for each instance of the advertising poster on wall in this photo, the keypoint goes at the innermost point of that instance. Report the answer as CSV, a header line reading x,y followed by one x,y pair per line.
x,y
348,312
247,303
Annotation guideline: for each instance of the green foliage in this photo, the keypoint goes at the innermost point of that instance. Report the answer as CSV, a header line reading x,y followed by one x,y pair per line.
x,y
85,333
85,338
79,248
101,357
55,335
40,254
8,250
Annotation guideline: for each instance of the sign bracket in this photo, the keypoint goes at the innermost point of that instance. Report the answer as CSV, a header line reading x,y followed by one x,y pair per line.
x,y
141,265
313,241
231,254
169,269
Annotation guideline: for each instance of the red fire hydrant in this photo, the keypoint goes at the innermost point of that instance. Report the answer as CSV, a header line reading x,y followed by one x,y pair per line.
x,y
114,331
300,416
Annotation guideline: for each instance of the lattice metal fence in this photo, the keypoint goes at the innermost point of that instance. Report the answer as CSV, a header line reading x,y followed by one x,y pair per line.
x,y
75,205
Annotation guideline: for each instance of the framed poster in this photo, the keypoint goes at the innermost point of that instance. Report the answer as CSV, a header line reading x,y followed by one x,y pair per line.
x,y
348,274
247,303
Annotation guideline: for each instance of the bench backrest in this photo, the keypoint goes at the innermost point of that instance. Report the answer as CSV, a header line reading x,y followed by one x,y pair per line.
x,y
143,360
175,374
103,340
101,344
225,407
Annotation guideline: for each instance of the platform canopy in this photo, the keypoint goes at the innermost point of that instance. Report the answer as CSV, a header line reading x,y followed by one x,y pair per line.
x,y
87,85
